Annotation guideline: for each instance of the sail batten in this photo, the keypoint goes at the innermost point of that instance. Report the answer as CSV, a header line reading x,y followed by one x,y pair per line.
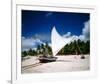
x,y
57,41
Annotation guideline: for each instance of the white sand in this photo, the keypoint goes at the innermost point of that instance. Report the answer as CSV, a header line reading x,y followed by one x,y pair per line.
x,y
63,64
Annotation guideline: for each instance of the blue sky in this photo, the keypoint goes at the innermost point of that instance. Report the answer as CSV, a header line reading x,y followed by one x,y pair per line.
x,y
37,25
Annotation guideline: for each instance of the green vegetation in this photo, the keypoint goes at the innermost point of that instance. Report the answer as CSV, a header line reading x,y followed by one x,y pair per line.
x,y
76,47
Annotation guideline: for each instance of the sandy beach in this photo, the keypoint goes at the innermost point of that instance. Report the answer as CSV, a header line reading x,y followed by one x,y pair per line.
x,y
62,64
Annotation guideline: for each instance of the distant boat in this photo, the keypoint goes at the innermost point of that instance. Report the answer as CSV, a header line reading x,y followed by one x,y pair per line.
x,y
58,42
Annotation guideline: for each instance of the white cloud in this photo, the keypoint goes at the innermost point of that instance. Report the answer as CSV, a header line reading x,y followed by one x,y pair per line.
x,y
68,34
75,37
50,44
28,43
85,33
43,37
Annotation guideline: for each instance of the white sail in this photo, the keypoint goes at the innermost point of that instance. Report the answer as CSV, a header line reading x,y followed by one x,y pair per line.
x,y
58,42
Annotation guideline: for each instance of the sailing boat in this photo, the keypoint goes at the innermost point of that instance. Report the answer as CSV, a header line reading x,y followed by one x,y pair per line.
x,y
58,42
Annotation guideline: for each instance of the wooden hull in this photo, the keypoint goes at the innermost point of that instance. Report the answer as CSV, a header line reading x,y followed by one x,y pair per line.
x,y
47,59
